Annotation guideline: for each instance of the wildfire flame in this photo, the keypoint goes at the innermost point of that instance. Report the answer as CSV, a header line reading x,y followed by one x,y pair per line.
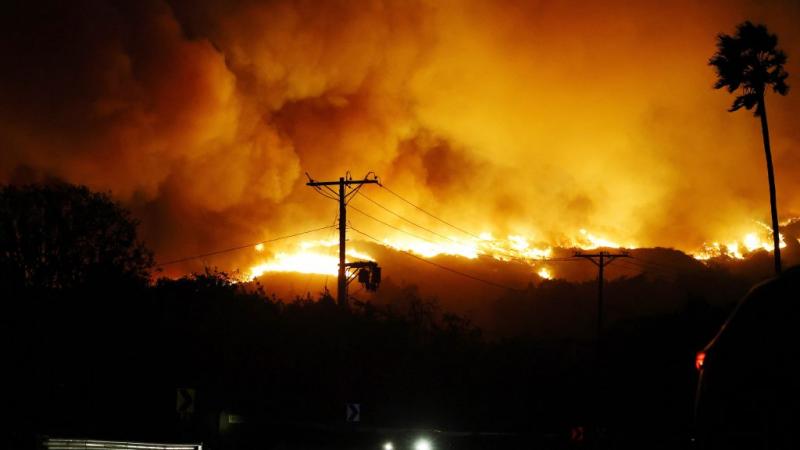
x,y
318,256
590,241
315,257
738,249
311,258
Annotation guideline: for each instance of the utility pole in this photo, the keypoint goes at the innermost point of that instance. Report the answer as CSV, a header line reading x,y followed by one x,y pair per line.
x,y
601,260
342,198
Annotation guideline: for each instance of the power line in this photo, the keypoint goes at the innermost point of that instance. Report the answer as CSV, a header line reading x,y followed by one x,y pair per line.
x,y
437,243
650,267
335,220
353,192
507,252
457,272
428,213
308,276
407,220
320,192
239,247
642,270
636,269
660,264
501,250
392,226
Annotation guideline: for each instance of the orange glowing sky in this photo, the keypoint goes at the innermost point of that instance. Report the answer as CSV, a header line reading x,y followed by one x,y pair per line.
x,y
534,119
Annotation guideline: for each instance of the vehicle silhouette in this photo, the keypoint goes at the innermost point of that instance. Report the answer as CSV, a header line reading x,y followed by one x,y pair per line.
x,y
747,393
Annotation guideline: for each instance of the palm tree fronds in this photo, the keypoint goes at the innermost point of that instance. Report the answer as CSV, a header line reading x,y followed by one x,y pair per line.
x,y
749,60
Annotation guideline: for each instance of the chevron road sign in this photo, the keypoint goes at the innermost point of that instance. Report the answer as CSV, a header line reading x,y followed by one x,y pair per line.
x,y
353,412
185,400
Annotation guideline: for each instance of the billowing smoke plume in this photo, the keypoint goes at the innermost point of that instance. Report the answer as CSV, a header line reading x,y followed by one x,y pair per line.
x,y
537,118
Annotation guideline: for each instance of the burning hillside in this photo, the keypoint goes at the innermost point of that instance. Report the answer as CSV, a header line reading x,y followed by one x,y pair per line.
x,y
319,256
537,126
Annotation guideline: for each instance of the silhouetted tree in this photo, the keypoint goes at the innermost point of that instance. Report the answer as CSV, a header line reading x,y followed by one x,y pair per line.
x,y
63,236
751,61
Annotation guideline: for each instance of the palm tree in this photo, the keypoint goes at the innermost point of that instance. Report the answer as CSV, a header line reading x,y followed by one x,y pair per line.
x,y
750,62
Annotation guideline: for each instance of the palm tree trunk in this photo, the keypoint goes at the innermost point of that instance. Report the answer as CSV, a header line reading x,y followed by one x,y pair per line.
x,y
773,201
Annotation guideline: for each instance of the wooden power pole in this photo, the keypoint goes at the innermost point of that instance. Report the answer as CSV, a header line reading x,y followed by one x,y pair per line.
x,y
341,291
601,260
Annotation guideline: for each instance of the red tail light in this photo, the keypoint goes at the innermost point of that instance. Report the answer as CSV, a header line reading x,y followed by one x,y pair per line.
x,y
699,360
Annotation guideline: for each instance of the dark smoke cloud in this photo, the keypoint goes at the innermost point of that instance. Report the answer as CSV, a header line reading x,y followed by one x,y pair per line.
x,y
535,118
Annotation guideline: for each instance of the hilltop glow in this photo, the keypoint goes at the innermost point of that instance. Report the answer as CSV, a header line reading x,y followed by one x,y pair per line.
x,y
312,258
545,273
588,241
318,257
468,250
739,249
300,262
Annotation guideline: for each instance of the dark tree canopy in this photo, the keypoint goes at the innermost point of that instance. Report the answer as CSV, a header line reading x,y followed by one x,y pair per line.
x,y
63,236
752,61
